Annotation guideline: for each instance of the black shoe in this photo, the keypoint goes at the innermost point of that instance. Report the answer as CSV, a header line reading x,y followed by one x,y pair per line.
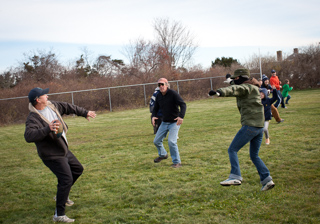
x,y
158,159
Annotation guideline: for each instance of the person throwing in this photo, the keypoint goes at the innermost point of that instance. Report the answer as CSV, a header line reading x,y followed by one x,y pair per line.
x,y
246,91
169,102
42,125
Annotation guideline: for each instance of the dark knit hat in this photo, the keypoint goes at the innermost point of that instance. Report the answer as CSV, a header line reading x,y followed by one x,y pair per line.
x,y
241,72
36,93
264,78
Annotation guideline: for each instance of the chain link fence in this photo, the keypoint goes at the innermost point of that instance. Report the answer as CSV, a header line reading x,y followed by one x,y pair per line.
x,y
15,109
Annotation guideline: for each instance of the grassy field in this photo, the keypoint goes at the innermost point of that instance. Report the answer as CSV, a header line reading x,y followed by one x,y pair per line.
x,y
122,184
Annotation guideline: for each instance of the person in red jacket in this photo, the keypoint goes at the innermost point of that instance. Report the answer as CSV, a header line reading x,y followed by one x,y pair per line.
x,y
274,81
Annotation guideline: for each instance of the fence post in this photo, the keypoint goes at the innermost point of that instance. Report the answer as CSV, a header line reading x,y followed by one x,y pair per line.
x,y
110,100
72,98
211,82
178,87
72,102
145,97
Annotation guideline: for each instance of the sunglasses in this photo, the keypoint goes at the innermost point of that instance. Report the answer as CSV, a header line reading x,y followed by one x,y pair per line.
x,y
160,84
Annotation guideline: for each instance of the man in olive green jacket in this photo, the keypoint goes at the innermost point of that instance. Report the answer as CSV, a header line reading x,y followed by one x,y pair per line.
x,y
246,91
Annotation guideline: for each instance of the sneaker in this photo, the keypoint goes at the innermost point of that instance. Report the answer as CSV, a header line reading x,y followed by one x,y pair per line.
x,y
68,202
158,159
177,165
281,120
62,218
268,186
230,181
267,141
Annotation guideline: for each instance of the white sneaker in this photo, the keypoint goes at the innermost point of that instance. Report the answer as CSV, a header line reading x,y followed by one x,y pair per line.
x,y
268,186
68,202
62,218
230,181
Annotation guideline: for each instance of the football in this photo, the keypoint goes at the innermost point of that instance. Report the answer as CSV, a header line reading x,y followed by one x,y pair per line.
x,y
60,129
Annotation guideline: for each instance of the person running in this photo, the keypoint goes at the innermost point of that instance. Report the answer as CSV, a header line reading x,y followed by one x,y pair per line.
x,y
285,91
274,110
267,103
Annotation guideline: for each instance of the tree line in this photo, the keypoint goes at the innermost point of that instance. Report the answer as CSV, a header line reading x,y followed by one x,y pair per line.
x,y
169,55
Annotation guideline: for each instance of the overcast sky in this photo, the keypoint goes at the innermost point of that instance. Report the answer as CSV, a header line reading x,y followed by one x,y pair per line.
x,y
224,28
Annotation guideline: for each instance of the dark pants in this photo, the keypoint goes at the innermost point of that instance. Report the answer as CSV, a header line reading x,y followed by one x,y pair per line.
x,y
279,99
157,125
67,170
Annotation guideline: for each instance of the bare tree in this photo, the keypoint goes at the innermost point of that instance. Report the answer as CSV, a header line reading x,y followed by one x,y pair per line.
x,y
177,41
41,66
105,66
142,55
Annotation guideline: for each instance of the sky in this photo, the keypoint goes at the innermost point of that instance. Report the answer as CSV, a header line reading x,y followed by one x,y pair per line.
x,y
226,28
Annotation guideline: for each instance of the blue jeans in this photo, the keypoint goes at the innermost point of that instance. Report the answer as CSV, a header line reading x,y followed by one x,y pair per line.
x,y
279,99
173,130
254,136
288,98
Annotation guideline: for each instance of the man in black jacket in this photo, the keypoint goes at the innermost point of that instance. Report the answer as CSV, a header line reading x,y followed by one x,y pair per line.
x,y
169,102
42,125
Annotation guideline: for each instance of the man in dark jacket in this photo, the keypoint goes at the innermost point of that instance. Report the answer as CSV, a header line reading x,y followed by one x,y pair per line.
x,y
159,114
42,125
169,102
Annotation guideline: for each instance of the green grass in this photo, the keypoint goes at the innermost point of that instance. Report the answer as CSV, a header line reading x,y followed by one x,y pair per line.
x,y
121,184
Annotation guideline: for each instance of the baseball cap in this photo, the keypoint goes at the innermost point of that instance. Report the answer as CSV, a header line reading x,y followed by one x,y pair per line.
x,y
273,71
36,93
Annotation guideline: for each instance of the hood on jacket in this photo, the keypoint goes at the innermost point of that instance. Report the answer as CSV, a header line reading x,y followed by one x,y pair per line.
x,y
253,81
264,91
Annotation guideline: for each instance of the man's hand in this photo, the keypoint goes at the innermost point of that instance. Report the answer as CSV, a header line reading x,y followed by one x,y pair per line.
x,y
54,125
228,81
91,114
154,120
212,93
179,120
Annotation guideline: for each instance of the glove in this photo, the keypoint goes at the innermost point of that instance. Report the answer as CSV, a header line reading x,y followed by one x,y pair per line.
x,y
212,92
228,81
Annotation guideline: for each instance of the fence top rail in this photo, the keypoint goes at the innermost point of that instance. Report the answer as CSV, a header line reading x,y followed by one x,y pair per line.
x,y
114,87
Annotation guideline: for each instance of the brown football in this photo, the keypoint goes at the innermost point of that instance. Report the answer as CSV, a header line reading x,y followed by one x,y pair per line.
x,y
58,133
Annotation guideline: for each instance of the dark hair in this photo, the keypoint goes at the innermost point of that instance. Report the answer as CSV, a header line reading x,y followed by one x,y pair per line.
x,y
34,103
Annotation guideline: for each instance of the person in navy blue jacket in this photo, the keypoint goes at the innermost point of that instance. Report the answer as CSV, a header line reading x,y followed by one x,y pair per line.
x,y
267,102
159,114
274,110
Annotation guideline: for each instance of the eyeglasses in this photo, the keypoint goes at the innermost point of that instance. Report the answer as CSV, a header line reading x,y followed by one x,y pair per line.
x,y
160,84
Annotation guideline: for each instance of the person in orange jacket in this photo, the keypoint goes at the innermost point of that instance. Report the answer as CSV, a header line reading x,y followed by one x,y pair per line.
x,y
274,81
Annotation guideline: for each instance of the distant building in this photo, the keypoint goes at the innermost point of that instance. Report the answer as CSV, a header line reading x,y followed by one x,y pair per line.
x,y
290,57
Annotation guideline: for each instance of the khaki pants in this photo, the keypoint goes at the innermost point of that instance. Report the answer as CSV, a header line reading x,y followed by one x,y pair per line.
x,y
275,113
